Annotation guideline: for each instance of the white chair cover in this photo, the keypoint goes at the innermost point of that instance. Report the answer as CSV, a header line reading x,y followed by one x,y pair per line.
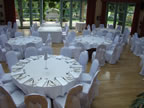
x,y
17,34
32,101
110,26
11,59
66,51
86,32
116,39
3,40
118,27
2,54
93,27
89,92
88,27
83,59
74,102
4,77
31,51
44,49
101,26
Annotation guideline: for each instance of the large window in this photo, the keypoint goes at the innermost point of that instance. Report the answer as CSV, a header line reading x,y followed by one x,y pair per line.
x,y
65,11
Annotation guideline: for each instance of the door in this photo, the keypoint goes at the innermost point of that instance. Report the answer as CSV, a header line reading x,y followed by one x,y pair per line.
x,y
120,14
28,12
73,11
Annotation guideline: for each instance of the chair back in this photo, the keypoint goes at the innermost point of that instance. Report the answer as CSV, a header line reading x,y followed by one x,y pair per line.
x,y
66,51
1,71
30,45
3,40
119,28
116,39
88,27
110,27
101,26
8,47
83,58
35,101
47,49
93,27
86,32
94,67
11,58
31,51
6,100
73,99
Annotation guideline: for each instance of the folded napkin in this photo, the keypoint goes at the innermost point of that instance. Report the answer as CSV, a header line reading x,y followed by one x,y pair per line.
x,y
61,80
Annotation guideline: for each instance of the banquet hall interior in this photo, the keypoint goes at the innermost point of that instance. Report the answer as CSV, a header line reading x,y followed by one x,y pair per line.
x,y
71,53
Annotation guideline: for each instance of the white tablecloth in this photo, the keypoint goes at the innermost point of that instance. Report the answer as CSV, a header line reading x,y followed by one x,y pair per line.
x,y
52,78
88,42
20,42
50,24
80,26
56,33
114,31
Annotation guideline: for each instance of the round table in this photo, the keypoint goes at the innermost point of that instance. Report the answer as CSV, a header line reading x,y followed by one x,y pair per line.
x,y
80,26
89,41
19,43
52,77
113,31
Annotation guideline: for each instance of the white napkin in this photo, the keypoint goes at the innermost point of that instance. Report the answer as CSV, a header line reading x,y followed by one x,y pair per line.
x,y
41,83
61,80
74,74
17,73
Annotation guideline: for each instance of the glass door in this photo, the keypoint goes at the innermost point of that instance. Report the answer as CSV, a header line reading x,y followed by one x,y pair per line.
x,y
120,14
73,11
28,12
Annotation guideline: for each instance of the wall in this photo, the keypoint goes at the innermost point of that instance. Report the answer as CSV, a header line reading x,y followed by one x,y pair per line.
x,y
98,12
2,13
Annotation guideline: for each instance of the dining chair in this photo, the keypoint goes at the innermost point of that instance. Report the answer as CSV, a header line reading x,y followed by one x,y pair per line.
x,y
86,32
8,47
93,27
71,99
30,44
88,27
2,54
101,26
31,51
87,77
4,77
35,33
14,100
119,27
35,100
11,59
89,92
42,50
15,26
3,40
113,55
83,60
99,33
17,34
109,36
99,54
66,51
110,27
116,39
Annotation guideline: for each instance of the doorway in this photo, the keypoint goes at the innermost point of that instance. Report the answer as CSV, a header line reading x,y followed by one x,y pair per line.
x,y
120,14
